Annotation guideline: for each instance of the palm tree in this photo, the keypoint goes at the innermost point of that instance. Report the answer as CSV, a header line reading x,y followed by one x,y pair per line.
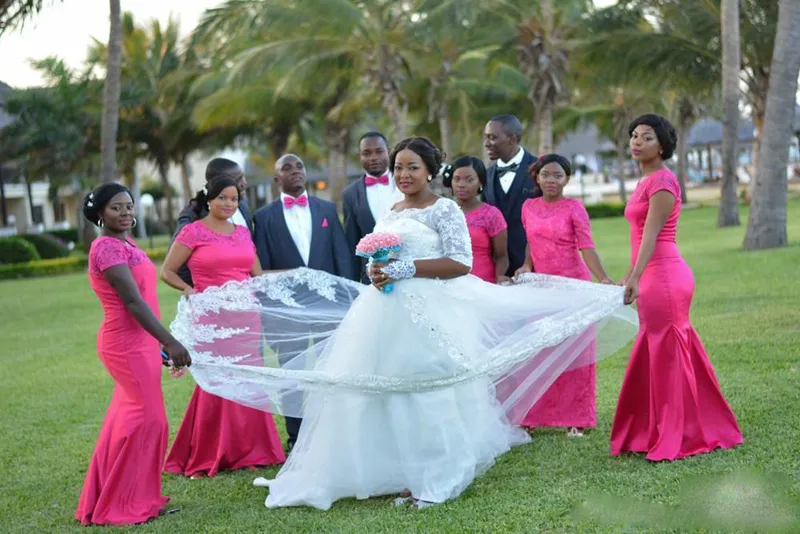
x,y
670,56
543,36
111,94
731,65
14,13
766,226
371,38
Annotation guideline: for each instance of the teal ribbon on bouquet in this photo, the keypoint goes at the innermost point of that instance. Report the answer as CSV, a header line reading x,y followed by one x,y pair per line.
x,y
380,248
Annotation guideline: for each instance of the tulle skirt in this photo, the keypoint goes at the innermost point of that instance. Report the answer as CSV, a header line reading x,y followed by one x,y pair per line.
x,y
418,388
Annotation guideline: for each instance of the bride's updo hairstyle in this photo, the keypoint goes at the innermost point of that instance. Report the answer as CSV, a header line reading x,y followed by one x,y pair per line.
x,y
423,147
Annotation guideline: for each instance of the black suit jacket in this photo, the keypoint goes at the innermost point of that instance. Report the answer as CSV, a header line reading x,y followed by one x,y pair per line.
x,y
276,248
358,222
522,188
188,216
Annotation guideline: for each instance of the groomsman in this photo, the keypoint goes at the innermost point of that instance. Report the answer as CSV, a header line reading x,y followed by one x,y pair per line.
x,y
367,200
508,184
217,167
299,231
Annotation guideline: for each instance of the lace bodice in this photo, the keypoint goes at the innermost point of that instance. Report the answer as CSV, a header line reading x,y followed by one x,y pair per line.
x,y
438,231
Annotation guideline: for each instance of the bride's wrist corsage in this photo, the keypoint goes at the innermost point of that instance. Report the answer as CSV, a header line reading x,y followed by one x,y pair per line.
x,y
400,270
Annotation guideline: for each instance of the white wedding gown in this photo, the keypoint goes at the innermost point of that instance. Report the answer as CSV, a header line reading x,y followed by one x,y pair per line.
x,y
415,389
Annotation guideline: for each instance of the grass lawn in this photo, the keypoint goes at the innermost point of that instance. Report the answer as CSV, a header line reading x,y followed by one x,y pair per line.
x,y
54,393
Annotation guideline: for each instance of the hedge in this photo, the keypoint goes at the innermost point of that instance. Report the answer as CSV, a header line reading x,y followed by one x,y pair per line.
x,y
605,209
72,264
47,246
15,250
67,236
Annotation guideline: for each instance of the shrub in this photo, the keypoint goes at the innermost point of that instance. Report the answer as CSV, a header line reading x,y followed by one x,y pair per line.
x,y
605,209
70,235
47,246
43,268
71,264
17,250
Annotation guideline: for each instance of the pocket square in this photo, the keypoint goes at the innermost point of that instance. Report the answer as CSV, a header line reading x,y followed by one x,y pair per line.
x,y
325,222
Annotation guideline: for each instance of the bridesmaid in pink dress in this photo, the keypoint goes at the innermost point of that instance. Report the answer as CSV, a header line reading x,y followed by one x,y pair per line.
x,y
487,227
560,243
670,405
123,482
217,434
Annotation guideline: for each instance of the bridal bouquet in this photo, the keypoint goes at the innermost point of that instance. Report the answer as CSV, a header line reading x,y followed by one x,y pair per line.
x,y
380,247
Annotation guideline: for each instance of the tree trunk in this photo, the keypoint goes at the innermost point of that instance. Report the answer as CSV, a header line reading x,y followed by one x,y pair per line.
x,y
167,190
444,129
398,117
766,226
684,124
186,180
729,205
337,141
108,137
758,123
136,192
546,130
710,164
3,207
623,194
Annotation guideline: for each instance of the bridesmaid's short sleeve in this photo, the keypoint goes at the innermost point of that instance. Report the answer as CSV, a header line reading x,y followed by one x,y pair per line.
x,y
188,236
663,181
582,226
495,222
106,253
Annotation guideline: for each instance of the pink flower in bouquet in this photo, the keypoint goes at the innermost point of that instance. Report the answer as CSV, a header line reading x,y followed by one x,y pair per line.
x,y
372,244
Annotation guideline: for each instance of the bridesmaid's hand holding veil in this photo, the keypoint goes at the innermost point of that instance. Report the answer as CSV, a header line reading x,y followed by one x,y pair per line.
x,y
631,290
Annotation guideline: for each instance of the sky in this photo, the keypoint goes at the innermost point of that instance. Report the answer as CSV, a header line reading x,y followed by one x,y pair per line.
x,y
66,29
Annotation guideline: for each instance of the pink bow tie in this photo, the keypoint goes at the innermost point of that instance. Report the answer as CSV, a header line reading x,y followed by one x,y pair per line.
x,y
289,202
371,180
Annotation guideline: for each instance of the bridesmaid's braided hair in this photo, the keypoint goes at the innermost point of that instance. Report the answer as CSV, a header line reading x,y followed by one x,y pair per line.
x,y
424,148
95,202
212,189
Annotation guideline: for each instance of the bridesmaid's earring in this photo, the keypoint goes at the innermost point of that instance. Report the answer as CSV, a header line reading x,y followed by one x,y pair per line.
x,y
134,223
100,223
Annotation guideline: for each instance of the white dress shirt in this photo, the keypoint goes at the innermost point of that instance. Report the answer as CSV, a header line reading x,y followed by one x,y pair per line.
x,y
298,220
238,219
508,178
381,198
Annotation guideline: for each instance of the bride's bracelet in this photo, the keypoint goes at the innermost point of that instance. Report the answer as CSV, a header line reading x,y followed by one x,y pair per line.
x,y
400,270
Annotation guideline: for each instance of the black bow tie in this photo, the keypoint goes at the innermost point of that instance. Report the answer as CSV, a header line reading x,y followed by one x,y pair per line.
x,y
511,168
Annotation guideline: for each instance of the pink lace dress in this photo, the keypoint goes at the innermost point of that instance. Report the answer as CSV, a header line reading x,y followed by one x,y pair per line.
x,y
484,223
217,434
670,405
123,482
557,232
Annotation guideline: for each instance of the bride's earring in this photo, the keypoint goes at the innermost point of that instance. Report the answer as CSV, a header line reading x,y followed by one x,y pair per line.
x,y
430,178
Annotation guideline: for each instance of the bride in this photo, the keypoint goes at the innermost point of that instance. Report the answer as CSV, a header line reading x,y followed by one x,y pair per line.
x,y
412,392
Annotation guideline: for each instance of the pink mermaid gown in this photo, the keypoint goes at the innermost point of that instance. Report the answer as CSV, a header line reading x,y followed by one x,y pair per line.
x,y
217,434
123,482
670,405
